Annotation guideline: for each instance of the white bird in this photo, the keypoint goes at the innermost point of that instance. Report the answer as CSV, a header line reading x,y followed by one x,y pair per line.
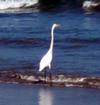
x,y
47,58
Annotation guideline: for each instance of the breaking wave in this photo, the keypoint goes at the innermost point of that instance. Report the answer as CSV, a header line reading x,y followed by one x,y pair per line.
x,y
17,4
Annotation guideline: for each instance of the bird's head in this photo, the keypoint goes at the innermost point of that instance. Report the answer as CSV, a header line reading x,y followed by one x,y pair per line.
x,y
56,25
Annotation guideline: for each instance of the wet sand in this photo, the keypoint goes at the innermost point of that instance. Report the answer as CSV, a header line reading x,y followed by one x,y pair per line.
x,y
57,80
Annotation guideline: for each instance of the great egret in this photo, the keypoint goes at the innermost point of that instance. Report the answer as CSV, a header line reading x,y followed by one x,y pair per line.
x,y
47,58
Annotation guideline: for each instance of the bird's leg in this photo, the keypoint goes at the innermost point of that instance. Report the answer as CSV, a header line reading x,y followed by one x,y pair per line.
x,y
45,75
50,78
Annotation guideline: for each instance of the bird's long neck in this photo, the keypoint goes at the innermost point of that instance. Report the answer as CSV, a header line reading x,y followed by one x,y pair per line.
x,y
52,38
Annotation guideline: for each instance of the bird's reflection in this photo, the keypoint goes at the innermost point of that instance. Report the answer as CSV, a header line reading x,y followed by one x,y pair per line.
x,y
45,97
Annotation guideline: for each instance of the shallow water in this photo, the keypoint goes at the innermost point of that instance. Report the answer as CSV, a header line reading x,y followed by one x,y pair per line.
x,y
25,38
30,95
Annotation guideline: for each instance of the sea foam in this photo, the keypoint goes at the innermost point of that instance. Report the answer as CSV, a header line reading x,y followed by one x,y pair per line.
x,y
15,4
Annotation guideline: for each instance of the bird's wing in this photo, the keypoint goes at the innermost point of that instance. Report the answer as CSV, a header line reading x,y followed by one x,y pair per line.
x,y
45,61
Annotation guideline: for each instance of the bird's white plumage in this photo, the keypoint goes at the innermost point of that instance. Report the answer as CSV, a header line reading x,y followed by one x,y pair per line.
x,y
47,58
46,61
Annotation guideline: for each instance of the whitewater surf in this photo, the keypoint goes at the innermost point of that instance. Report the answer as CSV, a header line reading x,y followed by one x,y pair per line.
x,y
17,4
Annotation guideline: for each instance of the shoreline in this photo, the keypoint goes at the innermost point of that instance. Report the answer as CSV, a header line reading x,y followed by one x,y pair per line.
x,y
57,80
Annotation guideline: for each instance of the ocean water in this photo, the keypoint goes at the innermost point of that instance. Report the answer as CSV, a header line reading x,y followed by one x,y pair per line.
x,y
30,95
25,38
